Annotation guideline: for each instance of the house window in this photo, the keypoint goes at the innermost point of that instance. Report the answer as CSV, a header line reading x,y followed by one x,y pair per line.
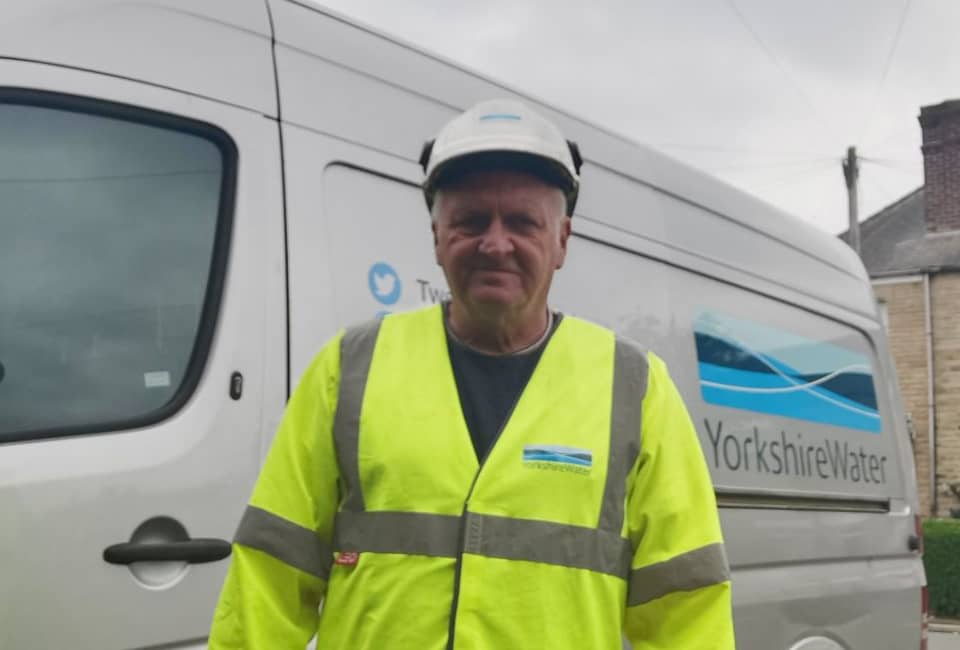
x,y
884,314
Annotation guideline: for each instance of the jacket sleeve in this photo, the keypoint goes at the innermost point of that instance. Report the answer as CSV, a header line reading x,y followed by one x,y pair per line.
x,y
679,585
283,547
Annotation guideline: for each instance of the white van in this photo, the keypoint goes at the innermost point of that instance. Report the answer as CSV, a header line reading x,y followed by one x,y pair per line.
x,y
194,196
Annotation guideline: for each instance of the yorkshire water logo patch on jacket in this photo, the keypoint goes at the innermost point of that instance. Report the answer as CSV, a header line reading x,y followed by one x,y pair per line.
x,y
558,458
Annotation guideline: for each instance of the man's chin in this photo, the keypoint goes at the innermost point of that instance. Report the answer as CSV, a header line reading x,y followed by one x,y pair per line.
x,y
494,300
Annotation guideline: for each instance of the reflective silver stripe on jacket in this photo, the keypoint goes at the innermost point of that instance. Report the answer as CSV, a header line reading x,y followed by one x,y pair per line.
x,y
630,372
417,533
290,543
356,353
599,549
695,569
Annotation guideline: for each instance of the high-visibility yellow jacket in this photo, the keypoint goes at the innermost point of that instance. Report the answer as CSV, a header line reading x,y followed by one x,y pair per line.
x,y
593,515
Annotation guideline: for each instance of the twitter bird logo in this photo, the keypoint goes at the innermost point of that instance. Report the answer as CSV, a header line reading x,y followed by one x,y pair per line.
x,y
384,283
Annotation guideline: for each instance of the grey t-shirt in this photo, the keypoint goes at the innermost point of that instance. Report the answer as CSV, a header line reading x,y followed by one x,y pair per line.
x,y
490,385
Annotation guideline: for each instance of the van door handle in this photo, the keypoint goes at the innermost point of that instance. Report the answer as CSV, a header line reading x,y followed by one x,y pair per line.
x,y
194,551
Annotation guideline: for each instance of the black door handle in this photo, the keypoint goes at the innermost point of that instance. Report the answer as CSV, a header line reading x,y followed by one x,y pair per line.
x,y
194,551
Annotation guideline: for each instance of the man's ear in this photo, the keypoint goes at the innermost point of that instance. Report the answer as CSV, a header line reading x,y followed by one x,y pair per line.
x,y
433,229
566,227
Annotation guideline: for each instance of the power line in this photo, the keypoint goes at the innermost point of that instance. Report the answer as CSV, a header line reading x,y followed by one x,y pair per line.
x,y
886,161
824,197
773,57
797,175
775,165
886,69
734,150
895,133
894,165
887,196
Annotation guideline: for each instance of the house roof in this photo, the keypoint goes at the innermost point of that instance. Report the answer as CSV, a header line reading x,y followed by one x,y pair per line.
x,y
895,241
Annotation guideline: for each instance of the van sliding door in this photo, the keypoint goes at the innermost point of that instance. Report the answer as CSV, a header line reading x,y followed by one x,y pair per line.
x,y
141,325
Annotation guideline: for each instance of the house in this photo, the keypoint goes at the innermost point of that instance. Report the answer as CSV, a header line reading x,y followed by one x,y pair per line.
x,y
911,250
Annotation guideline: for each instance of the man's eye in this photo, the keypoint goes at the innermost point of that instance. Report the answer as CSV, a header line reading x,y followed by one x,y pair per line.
x,y
521,222
472,223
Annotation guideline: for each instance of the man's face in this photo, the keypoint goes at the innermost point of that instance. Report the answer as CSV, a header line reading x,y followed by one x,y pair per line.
x,y
499,236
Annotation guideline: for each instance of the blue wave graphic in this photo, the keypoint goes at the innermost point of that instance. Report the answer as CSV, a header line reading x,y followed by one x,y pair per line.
x,y
552,454
724,387
736,376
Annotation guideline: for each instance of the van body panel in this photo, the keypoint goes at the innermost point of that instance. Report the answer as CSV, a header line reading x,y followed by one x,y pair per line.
x,y
217,48
65,499
898,414
873,604
683,223
711,267
329,284
767,537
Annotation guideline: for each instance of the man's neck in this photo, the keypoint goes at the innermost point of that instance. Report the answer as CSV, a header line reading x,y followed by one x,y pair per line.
x,y
499,334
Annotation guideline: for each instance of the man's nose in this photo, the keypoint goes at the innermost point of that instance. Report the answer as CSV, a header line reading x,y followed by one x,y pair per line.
x,y
496,240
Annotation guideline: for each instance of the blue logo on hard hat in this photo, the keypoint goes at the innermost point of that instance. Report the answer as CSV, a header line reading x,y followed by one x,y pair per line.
x,y
499,116
384,283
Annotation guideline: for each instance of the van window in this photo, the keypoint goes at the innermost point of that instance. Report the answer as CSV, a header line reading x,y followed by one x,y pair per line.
x,y
108,230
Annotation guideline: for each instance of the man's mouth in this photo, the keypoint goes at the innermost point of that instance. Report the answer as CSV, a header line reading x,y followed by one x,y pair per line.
x,y
495,270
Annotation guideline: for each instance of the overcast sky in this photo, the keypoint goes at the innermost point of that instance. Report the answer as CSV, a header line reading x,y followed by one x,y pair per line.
x,y
765,94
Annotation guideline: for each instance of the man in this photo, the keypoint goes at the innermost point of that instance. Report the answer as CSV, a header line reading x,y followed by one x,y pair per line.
x,y
486,474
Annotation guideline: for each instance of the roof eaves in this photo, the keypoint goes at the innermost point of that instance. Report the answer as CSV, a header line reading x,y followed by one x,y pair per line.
x,y
878,216
914,270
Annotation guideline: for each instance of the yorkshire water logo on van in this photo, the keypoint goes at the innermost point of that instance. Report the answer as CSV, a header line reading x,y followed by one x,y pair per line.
x,y
384,283
558,458
745,365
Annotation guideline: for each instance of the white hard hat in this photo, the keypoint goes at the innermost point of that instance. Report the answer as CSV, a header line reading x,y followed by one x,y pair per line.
x,y
501,134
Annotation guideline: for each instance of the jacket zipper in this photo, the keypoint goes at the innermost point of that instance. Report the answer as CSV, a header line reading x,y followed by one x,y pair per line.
x,y
466,504
463,520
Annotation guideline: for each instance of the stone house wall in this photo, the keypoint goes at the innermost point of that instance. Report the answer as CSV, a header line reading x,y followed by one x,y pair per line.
x,y
904,302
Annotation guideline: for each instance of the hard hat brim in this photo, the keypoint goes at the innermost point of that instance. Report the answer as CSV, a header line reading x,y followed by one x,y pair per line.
x,y
452,171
